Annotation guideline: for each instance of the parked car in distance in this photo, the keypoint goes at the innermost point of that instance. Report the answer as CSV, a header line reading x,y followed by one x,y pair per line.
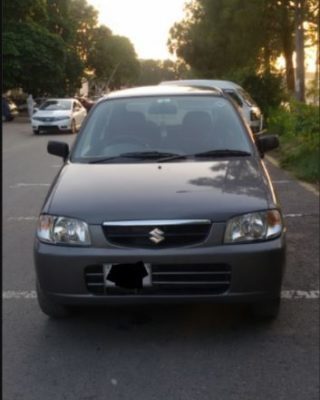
x,y
9,109
163,198
249,108
58,115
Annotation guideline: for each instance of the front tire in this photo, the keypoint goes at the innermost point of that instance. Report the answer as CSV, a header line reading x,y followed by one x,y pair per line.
x,y
36,132
50,308
266,310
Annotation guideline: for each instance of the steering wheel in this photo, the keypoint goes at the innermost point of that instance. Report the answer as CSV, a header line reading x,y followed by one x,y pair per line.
x,y
126,139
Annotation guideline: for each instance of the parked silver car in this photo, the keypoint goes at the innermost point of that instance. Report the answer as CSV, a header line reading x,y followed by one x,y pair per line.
x,y
248,107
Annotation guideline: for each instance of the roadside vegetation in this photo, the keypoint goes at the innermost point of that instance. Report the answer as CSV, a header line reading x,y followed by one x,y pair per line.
x,y
298,127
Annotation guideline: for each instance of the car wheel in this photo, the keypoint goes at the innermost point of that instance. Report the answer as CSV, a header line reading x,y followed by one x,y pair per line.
x,y
266,310
73,127
36,132
50,308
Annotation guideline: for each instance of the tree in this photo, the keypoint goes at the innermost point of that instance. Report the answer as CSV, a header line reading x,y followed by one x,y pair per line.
x,y
112,59
46,51
152,72
30,55
220,37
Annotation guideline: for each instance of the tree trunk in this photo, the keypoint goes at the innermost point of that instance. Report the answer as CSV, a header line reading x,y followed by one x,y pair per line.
x,y
289,70
299,33
287,44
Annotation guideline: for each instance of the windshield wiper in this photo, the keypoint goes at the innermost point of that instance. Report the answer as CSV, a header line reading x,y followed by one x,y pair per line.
x,y
210,153
167,157
137,154
222,153
149,154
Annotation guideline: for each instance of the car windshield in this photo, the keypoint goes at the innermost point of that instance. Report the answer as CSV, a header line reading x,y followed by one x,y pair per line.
x,y
53,105
161,127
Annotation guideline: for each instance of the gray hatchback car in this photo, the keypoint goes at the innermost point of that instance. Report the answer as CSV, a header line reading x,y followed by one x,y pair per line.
x,y
164,197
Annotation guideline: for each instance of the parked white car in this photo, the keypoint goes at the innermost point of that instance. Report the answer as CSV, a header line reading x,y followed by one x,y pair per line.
x,y
58,115
248,107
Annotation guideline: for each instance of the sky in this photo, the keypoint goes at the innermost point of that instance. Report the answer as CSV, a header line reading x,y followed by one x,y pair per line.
x,y
145,22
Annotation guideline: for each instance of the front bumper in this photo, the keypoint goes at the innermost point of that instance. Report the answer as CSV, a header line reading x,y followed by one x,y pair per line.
x,y
256,271
62,125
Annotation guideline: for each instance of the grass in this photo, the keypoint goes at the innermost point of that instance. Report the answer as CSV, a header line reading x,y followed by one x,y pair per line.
x,y
299,134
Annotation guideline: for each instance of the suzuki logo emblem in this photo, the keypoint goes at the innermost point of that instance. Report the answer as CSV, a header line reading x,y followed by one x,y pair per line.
x,y
156,236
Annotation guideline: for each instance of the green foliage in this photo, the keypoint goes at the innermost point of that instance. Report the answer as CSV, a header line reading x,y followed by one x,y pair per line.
x,y
32,67
49,44
298,126
113,59
266,89
152,72
16,11
220,36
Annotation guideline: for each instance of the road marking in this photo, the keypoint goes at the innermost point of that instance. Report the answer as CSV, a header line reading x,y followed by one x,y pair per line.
x,y
22,218
300,215
300,294
285,294
24,294
20,185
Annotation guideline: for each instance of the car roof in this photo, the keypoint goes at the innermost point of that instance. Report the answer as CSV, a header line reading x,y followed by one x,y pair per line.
x,y
220,84
161,90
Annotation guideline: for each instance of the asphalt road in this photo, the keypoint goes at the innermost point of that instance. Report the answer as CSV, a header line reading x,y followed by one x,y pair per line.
x,y
165,352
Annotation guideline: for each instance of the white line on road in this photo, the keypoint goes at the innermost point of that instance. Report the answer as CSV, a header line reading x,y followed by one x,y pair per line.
x,y
20,185
300,215
300,294
24,294
285,294
23,218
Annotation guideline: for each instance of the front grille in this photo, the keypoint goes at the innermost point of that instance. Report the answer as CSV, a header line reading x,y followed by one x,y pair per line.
x,y
49,128
173,279
45,119
191,278
158,235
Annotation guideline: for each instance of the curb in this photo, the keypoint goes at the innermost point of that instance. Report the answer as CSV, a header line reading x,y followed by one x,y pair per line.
x,y
305,185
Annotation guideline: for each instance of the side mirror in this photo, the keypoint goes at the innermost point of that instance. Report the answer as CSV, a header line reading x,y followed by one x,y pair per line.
x,y
59,149
267,143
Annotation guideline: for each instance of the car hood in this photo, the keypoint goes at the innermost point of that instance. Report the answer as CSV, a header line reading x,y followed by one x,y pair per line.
x,y
52,113
213,190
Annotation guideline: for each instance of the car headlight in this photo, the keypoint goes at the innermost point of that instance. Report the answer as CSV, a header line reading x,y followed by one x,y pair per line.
x,y
62,230
255,226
